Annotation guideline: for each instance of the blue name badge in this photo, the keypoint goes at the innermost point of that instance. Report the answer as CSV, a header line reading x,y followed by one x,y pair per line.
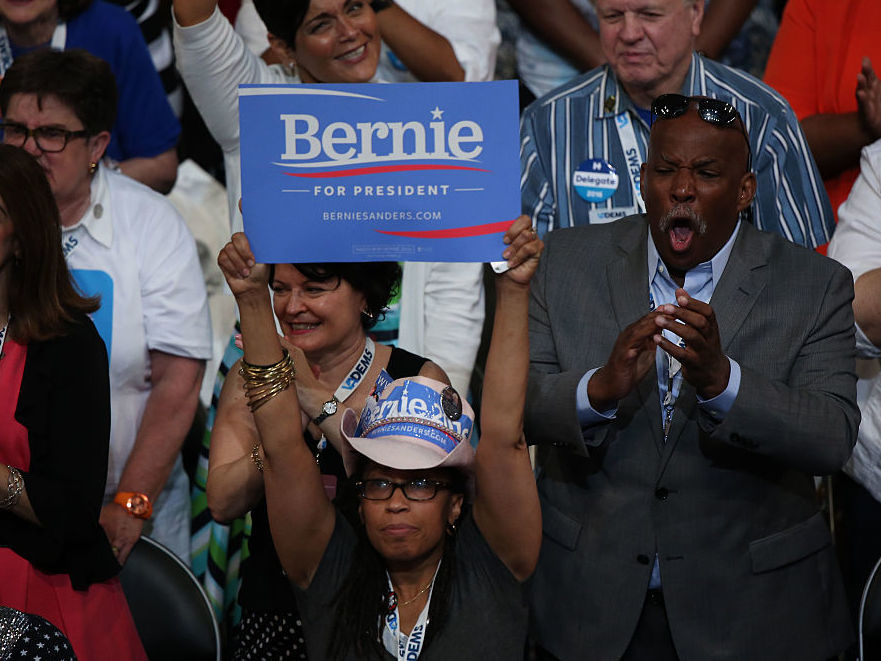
x,y
369,172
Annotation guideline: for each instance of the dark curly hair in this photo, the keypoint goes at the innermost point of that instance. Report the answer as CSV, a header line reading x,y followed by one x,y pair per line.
x,y
377,281
283,17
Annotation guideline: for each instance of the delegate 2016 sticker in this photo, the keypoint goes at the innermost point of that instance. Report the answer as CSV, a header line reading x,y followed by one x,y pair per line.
x,y
595,180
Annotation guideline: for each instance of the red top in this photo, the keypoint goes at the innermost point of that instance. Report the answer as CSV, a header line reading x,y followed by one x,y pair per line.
x,y
816,57
14,448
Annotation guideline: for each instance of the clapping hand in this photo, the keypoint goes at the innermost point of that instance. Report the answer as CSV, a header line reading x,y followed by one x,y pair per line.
x,y
869,99
704,365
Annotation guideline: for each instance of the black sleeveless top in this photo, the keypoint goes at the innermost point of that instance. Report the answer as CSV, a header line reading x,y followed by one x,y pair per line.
x,y
264,586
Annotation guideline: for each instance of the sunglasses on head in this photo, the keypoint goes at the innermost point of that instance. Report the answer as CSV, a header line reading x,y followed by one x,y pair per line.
x,y
714,111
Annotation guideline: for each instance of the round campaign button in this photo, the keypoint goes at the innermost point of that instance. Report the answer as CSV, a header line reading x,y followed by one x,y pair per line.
x,y
595,180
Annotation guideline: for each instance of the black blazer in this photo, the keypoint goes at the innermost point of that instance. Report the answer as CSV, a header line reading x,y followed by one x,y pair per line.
x,y
64,403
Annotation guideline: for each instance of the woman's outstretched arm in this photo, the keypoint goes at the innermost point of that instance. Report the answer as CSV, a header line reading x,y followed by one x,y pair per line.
x,y
300,515
506,507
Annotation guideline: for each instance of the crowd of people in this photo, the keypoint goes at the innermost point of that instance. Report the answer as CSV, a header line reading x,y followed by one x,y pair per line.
x,y
613,449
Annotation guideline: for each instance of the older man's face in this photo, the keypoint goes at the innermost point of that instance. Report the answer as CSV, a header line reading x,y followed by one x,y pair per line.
x,y
694,184
648,43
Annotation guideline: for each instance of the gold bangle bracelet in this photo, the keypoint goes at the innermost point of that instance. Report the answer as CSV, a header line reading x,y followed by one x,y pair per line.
x,y
263,382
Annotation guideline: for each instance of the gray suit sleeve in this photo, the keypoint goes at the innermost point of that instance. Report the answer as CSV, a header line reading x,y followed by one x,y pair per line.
x,y
809,420
551,411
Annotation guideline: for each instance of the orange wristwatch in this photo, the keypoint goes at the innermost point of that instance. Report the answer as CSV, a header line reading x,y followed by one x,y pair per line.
x,y
136,504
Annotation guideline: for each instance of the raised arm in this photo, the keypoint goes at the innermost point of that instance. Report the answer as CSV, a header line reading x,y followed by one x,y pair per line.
x,y
300,515
506,507
193,12
723,19
427,55
560,24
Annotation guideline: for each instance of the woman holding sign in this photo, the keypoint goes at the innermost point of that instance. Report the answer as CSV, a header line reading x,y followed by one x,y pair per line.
x,y
339,41
324,311
427,571
441,305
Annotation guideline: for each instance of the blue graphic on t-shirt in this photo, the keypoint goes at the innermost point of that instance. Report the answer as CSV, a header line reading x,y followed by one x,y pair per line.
x,y
98,283
396,62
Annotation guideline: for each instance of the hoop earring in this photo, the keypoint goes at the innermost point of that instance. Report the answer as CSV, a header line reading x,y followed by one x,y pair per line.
x,y
367,313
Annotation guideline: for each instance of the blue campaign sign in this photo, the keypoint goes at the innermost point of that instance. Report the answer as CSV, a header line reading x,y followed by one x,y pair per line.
x,y
369,172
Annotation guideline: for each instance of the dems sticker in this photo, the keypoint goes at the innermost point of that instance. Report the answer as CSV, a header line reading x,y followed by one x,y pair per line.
x,y
595,180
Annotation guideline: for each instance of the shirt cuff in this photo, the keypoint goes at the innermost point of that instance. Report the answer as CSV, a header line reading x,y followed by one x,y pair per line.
x,y
865,348
719,406
587,415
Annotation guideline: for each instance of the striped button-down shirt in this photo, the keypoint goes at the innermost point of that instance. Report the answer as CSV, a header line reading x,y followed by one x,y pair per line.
x,y
577,122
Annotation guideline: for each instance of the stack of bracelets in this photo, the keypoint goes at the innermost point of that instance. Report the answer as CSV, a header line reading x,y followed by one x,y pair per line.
x,y
263,382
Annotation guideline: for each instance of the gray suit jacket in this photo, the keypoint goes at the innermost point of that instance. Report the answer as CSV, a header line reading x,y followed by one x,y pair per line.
x,y
746,561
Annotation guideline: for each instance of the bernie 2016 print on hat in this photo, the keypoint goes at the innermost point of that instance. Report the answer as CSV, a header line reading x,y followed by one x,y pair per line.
x,y
413,423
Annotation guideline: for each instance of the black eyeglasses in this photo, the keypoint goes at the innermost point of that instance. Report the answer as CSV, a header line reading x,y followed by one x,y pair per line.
x,y
714,111
418,489
47,138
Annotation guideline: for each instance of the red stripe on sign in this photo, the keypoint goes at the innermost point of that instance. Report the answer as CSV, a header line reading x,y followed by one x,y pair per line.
x,y
332,174
454,233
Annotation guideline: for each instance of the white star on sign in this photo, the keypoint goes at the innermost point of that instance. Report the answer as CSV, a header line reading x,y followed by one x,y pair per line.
x,y
437,113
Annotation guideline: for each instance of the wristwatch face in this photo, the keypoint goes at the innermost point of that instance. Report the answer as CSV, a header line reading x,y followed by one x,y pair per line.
x,y
329,408
137,505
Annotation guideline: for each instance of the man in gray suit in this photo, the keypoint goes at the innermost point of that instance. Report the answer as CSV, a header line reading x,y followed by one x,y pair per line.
x,y
680,433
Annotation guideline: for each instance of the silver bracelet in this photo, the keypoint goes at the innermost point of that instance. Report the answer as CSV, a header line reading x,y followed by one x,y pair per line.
x,y
14,487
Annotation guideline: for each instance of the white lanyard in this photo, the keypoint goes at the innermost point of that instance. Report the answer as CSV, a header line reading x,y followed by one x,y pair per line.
x,y
399,644
352,381
3,334
674,380
627,135
59,40
358,371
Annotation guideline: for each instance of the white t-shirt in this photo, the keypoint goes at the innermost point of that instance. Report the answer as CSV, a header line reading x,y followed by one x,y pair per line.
x,y
134,250
856,243
540,68
469,26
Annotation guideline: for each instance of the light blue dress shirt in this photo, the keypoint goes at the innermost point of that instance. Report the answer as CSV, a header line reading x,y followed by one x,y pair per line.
x,y
700,282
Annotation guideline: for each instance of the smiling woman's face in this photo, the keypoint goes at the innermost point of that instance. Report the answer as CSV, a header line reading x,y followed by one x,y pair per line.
x,y
338,42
